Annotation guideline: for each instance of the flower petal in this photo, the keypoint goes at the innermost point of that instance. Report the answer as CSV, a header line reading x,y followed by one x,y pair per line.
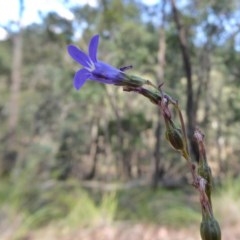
x,y
80,78
93,47
79,56
106,73
107,70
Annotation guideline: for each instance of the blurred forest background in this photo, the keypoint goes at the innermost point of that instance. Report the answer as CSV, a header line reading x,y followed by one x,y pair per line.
x,y
73,160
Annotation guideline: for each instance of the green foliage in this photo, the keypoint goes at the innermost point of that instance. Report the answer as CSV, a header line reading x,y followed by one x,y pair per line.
x,y
141,56
50,108
5,59
226,202
158,207
86,212
55,133
40,204
67,204
230,188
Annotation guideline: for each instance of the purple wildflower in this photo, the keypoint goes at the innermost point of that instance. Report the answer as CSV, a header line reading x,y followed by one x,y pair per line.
x,y
94,69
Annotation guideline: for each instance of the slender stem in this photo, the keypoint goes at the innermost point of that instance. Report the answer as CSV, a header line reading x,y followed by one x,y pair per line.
x,y
183,126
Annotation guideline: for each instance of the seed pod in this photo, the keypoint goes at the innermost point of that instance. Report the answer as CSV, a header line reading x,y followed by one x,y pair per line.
x,y
210,229
175,137
205,171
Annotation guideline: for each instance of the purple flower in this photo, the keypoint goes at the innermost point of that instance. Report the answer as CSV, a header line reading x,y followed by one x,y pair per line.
x,y
94,69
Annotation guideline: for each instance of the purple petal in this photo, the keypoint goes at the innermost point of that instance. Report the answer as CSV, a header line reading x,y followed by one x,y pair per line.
x,y
80,78
93,47
106,73
79,56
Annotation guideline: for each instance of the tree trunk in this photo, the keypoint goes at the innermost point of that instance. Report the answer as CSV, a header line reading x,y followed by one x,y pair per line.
x,y
191,111
158,172
93,151
15,87
11,154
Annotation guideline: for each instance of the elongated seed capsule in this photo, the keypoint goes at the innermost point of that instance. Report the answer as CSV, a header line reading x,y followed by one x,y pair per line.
x,y
210,229
205,171
174,136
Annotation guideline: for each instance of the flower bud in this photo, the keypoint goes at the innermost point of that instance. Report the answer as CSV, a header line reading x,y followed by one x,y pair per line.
x,y
174,136
205,171
210,229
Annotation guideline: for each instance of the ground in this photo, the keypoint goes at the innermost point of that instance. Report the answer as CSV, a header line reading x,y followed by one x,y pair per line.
x,y
127,231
